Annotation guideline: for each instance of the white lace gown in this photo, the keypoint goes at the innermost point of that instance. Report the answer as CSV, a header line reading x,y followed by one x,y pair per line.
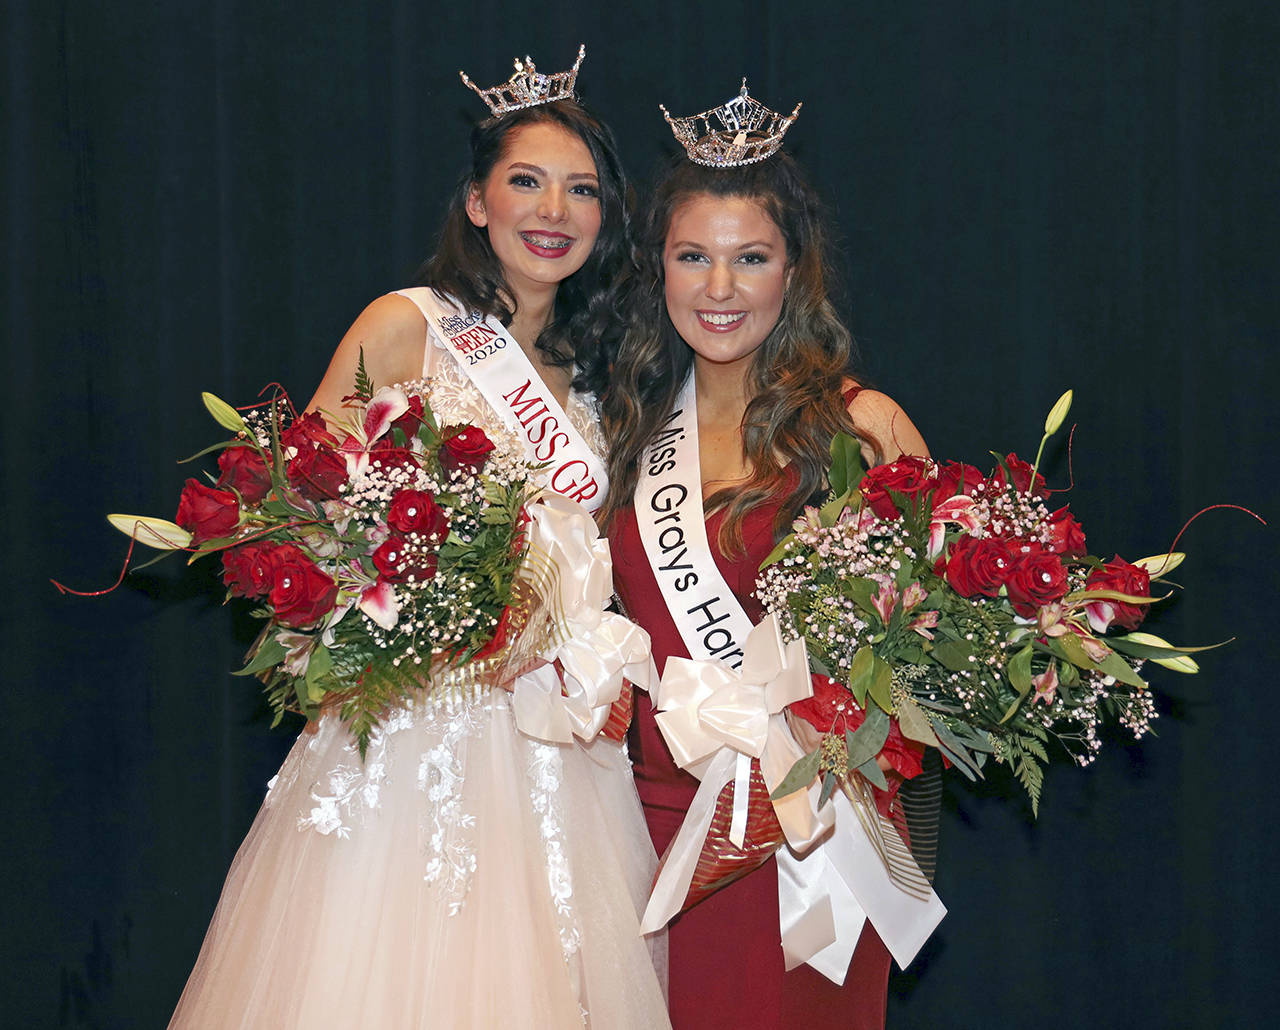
x,y
461,876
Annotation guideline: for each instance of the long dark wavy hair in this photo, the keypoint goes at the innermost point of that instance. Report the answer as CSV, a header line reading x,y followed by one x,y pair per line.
x,y
797,376
465,266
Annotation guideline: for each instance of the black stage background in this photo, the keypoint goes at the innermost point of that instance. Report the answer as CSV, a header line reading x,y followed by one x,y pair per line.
x,y
202,196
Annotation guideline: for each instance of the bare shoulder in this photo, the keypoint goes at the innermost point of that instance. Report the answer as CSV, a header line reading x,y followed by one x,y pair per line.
x,y
391,334
881,419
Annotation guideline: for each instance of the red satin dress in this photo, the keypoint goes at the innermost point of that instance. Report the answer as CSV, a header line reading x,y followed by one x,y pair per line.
x,y
726,956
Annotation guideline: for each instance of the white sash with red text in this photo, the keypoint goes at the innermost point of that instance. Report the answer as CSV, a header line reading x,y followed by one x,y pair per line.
x,y
506,378
668,503
831,882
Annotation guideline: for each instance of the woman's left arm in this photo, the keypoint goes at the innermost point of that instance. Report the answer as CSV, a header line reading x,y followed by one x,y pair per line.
x,y
888,427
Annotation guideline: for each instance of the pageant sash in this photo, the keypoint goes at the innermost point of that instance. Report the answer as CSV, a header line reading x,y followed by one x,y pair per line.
x,y
506,378
668,504
722,707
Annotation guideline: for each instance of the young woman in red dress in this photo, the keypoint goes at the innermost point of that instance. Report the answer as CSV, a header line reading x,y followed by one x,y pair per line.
x,y
731,294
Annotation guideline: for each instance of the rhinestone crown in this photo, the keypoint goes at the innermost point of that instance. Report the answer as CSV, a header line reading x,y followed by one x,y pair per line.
x,y
739,132
528,87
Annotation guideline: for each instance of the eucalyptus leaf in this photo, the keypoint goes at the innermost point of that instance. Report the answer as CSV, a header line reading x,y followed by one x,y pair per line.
x,y
867,740
915,724
828,786
799,777
874,775
948,742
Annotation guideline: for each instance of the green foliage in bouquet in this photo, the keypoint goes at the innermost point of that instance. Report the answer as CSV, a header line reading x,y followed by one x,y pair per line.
x,y
384,562
961,606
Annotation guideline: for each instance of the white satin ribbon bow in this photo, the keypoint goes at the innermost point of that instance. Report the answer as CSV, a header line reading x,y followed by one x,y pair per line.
x,y
599,649
715,721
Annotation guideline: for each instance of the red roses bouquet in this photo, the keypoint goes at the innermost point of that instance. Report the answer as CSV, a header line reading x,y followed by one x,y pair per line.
x,y
382,556
959,610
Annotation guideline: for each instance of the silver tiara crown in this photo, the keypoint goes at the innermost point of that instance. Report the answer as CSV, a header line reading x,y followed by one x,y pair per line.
x,y
739,132
528,87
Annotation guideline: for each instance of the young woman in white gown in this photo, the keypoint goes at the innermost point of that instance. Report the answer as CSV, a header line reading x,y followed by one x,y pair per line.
x,y
463,874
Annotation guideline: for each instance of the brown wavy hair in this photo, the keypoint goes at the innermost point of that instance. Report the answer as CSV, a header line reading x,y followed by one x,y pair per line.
x,y
465,266
799,370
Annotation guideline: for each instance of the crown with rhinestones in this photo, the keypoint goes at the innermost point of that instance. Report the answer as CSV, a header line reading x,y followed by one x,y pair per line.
x,y
528,87
739,132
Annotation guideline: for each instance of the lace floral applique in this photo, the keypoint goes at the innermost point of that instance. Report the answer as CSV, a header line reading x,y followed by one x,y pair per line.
x,y
544,770
451,856
351,787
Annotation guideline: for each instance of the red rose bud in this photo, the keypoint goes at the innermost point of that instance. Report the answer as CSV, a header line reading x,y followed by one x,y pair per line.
x,y
390,560
1038,578
317,473
978,566
301,594
244,471
955,479
416,511
1066,537
409,422
247,569
467,450
1123,578
1020,473
308,431
389,456
908,475
206,512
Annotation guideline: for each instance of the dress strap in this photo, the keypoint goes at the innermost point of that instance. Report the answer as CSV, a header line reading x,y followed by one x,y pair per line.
x,y
851,393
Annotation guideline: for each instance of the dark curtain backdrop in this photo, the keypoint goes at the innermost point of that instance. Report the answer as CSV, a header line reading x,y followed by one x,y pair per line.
x,y
1029,197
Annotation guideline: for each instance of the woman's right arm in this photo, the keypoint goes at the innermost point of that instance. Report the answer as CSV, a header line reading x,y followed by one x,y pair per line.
x,y
392,335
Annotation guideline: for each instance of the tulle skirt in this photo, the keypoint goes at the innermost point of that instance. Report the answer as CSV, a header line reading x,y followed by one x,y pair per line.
x,y
462,876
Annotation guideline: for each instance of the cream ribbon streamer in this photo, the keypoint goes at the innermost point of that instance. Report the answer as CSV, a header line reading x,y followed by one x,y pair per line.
x,y
598,650
715,720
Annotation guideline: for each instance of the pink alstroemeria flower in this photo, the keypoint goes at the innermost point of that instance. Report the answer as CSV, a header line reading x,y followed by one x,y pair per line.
x,y
1049,620
886,600
380,603
1046,684
1094,648
924,622
957,509
913,595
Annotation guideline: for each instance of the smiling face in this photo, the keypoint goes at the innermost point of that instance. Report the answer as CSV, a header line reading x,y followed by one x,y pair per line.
x,y
540,205
725,270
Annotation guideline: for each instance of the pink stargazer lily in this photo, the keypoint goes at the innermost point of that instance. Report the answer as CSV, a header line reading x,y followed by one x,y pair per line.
x,y
380,603
959,510
387,405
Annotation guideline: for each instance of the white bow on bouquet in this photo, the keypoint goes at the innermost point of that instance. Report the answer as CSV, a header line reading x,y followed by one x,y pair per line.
x,y
596,649
831,877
